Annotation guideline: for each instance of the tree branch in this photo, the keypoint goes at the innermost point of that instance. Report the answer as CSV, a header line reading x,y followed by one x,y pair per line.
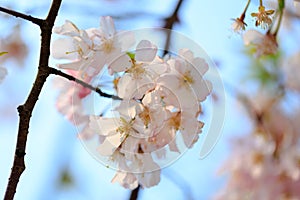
x,y
34,20
169,23
84,84
135,193
26,109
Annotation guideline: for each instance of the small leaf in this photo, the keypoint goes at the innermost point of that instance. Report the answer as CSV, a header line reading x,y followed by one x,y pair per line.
x,y
131,55
3,53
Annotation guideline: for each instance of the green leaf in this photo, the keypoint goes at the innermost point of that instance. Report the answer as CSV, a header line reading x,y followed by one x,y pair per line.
x,y
3,53
131,55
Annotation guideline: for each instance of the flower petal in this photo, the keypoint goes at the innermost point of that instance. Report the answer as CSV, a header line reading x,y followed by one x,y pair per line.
x,y
145,51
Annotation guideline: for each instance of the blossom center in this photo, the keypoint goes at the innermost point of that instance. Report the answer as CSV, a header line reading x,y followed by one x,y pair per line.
x,y
136,69
125,127
145,116
175,121
187,78
108,46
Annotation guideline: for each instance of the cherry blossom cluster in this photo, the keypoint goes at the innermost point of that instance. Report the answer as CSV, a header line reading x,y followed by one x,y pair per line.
x,y
156,102
265,164
263,43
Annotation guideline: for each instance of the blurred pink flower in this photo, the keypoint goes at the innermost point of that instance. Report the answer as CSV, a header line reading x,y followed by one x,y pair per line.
x,y
15,47
264,44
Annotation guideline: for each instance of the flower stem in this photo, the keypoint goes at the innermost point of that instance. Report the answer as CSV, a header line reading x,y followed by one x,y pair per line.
x,y
260,3
82,83
281,9
245,10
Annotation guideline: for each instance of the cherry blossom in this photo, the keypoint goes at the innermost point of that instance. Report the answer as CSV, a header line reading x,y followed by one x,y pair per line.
x,y
263,18
141,72
160,99
265,164
89,49
265,44
238,25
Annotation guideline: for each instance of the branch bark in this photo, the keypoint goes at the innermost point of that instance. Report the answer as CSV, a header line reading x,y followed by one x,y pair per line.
x,y
34,20
169,23
84,84
135,193
26,109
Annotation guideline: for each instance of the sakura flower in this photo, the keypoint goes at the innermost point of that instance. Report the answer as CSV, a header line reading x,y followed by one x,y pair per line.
x,y
126,179
139,171
69,101
140,71
186,123
191,72
89,49
115,130
263,44
109,42
3,73
186,80
238,25
78,47
263,17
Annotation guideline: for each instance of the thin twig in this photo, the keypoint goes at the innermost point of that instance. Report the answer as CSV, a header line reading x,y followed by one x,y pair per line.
x,y
26,109
169,23
34,20
84,84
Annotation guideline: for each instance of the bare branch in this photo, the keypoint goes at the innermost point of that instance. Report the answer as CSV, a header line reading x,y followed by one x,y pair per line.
x,y
26,109
135,193
169,23
34,20
84,84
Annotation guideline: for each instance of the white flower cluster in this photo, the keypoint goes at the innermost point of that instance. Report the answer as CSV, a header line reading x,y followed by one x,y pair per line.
x,y
159,98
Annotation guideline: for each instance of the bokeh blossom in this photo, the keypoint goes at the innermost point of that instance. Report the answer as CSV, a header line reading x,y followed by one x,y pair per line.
x,y
264,44
15,47
265,164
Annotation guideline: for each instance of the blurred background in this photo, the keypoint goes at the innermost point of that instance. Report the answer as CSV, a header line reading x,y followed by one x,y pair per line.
x,y
57,164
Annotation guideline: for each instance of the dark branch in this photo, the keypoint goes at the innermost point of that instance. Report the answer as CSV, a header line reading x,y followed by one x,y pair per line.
x,y
26,109
21,15
135,193
84,84
173,18
169,23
